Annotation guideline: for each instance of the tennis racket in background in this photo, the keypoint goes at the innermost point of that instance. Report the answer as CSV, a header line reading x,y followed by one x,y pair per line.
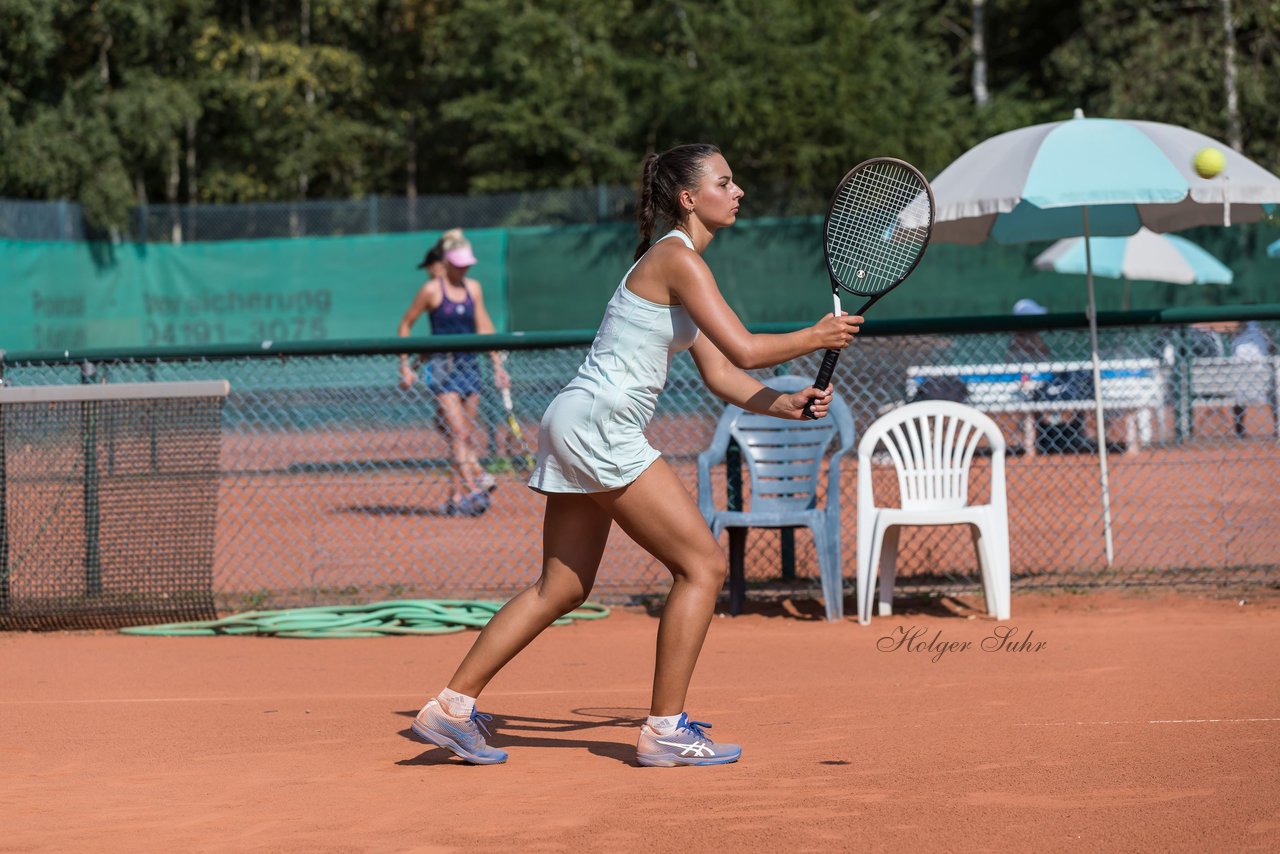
x,y
874,235
523,458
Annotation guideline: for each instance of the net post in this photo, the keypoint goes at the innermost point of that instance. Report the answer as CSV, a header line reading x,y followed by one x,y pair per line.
x,y
154,421
89,411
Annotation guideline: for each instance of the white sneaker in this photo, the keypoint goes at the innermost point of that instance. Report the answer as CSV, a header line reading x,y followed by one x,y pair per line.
x,y
688,745
464,736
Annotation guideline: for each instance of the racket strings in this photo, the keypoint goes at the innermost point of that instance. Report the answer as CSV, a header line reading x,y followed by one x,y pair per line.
x,y
877,227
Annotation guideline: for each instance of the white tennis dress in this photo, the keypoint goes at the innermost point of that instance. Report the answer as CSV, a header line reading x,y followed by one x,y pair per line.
x,y
592,435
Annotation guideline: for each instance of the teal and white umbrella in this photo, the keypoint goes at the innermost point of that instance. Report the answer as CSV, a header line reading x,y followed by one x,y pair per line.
x,y
1146,256
1035,183
1102,177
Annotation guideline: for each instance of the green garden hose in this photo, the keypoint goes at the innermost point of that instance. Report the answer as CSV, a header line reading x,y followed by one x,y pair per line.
x,y
400,617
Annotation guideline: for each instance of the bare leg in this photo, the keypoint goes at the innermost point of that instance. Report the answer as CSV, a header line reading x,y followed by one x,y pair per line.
x,y
476,441
458,429
575,531
659,514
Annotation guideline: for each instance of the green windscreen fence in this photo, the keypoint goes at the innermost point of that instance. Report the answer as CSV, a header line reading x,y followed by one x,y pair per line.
x,y
61,295
772,270
72,296
561,278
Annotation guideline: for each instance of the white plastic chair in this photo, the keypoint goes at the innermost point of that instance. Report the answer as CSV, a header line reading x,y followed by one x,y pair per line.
x,y
932,445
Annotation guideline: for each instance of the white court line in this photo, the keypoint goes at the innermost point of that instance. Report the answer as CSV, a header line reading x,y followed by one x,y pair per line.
x,y
1138,723
262,699
275,697
410,699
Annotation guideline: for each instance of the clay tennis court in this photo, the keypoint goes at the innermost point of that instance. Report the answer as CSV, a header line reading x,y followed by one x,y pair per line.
x,y
364,533
1145,721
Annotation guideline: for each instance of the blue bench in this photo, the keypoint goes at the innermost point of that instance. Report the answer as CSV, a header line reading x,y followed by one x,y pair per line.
x,y
1134,388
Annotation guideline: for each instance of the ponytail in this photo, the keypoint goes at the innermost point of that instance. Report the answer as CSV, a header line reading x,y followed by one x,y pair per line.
x,y
645,214
662,178
452,239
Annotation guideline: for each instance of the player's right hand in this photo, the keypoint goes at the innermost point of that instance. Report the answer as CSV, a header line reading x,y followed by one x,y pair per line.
x,y
501,379
407,377
835,333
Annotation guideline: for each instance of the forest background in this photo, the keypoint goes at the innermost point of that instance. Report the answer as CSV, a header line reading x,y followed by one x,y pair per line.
x,y
118,105
116,102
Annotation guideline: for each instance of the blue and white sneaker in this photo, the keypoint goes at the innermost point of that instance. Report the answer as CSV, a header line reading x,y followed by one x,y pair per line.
x,y
475,504
688,745
464,736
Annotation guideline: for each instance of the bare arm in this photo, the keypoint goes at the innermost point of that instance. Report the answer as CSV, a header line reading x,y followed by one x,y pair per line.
x,y
692,285
484,326
421,303
732,385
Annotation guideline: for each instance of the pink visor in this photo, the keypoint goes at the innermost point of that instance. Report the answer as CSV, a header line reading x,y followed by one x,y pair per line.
x,y
460,257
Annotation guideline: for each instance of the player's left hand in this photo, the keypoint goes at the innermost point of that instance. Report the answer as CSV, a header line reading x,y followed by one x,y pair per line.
x,y
793,405
501,379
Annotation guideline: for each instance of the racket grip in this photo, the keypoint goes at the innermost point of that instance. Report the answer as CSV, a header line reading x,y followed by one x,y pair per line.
x,y
506,399
824,378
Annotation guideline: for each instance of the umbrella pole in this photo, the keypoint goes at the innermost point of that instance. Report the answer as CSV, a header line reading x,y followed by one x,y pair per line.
x,y
1097,393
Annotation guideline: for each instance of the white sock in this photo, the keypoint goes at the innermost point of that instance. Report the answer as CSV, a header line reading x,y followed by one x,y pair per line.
x,y
456,705
663,725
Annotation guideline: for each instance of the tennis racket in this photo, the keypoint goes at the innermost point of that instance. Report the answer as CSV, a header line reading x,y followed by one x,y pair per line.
x,y
875,233
524,459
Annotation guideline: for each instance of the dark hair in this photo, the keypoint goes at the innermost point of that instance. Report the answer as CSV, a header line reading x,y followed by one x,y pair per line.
x,y
434,255
661,181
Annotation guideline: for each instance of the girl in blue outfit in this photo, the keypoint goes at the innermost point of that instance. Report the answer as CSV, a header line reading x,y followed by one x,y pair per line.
x,y
596,467
454,304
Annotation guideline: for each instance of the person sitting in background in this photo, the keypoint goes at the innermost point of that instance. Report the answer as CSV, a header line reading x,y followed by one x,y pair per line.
x,y
1209,338
1026,345
1249,343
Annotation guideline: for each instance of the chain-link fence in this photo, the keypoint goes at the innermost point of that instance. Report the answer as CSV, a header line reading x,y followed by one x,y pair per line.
x,y
174,223
336,484
187,223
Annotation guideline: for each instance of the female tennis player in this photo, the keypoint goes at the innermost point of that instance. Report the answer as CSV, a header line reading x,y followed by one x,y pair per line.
x,y
596,467
455,306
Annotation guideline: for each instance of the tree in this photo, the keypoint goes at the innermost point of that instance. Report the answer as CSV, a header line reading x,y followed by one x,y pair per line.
x,y
541,99
574,92
121,101
284,105
103,100
1164,62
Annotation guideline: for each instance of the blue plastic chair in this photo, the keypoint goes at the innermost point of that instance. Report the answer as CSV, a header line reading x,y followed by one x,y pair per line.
x,y
784,461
